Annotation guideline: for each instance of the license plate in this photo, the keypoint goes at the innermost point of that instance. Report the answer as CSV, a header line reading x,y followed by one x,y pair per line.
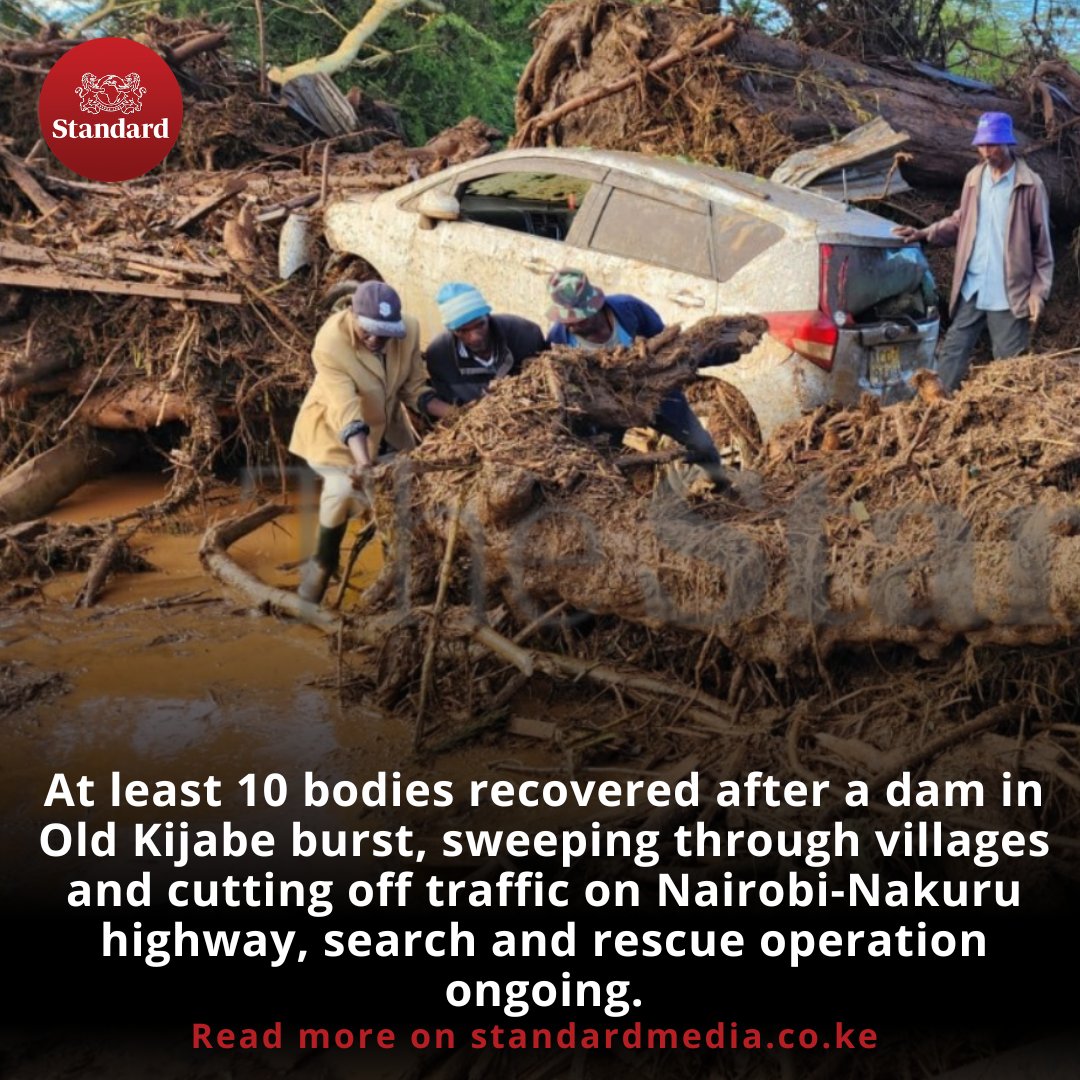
x,y
884,365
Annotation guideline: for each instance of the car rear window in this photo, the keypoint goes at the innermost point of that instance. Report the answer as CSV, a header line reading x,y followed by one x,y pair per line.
x,y
740,238
858,279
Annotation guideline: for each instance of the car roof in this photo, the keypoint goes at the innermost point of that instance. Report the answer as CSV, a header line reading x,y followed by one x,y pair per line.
x,y
790,207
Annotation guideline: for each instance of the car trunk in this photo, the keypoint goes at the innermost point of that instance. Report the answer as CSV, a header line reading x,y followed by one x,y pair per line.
x,y
861,284
882,301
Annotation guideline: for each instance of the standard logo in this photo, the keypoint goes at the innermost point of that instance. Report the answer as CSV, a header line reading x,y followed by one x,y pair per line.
x,y
109,126
111,94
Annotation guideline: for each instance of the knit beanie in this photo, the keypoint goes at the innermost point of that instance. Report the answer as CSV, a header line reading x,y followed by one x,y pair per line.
x,y
460,304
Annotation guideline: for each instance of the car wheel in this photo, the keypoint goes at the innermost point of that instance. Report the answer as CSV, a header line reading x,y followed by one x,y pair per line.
x,y
338,296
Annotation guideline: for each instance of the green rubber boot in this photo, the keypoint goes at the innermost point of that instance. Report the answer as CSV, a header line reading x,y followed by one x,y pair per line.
x,y
318,571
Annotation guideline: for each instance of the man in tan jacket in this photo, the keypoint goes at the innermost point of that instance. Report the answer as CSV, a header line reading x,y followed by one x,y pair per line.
x,y
1004,259
368,367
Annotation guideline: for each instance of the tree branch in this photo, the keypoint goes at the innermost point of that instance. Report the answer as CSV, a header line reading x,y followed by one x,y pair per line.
x,y
346,52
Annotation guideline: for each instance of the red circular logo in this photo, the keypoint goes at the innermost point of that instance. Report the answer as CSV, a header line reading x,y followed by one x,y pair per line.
x,y
110,109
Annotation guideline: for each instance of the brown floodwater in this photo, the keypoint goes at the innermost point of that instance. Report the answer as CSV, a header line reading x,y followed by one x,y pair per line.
x,y
169,676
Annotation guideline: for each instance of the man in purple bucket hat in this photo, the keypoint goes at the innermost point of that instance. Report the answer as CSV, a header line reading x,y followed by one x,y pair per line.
x,y
1004,260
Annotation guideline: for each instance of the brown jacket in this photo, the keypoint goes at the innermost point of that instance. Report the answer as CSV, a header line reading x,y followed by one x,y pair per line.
x,y
353,384
1029,258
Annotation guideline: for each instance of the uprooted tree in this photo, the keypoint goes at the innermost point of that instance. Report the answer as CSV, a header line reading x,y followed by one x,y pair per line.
x,y
670,80
857,530
915,526
854,610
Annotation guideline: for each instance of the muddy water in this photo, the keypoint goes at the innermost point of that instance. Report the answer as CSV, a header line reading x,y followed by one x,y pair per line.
x,y
196,686
167,678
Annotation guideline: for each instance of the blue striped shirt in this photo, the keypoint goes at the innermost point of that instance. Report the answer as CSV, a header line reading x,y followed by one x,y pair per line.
x,y
986,268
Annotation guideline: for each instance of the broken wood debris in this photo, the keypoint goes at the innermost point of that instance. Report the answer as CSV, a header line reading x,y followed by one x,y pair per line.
x,y
233,186
136,261
156,262
861,165
18,172
320,103
29,279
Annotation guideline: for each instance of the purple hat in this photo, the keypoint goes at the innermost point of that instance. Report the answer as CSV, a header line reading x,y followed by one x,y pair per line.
x,y
573,297
377,308
995,129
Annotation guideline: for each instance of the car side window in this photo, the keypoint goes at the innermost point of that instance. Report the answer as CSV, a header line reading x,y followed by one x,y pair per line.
x,y
639,227
541,204
739,238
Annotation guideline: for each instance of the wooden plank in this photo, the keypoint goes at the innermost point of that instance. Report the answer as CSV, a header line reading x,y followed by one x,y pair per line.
x,y
31,279
23,253
874,142
131,260
232,188
45,203
531,728
161,262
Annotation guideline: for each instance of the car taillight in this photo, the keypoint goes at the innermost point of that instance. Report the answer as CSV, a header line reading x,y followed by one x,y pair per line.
x,y
809,333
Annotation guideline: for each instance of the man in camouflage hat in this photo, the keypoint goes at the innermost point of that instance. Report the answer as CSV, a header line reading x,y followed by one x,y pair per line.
x,y
583,317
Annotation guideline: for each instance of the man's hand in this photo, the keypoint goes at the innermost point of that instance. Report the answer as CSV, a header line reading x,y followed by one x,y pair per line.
x,y
439,409
909,234
360,474
1035,309
718,477
709,463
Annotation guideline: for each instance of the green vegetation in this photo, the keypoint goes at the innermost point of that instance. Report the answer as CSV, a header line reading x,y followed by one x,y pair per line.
x,y
436,63
982,39
987,44
461,63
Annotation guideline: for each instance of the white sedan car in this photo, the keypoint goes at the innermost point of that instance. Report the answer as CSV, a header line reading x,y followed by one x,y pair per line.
x,y
849,307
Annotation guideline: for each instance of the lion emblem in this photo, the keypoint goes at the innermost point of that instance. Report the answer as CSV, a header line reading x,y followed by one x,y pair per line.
x,y
111,94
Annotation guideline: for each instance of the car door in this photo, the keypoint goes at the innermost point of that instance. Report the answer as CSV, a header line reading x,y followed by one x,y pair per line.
x,y
654,243
520,222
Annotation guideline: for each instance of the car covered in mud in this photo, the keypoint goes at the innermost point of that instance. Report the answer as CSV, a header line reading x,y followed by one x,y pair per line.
x,y
849,307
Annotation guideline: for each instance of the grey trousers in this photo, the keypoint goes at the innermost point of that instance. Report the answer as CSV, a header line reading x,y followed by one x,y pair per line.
x,y
1008,337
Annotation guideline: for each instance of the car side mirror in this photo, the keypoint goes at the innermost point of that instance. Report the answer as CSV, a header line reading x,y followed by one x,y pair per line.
x,y
437,206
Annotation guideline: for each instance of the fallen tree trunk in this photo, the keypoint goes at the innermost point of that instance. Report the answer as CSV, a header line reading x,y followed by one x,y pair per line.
x,y
916,527
749,102
134,408
213,554
813,93
36,487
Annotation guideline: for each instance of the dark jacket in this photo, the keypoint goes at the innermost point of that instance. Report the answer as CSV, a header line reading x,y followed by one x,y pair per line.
x,y
674,418
458,379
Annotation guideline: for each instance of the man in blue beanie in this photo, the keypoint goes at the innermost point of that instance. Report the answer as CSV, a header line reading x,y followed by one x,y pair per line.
x,y
477,347
1004,259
